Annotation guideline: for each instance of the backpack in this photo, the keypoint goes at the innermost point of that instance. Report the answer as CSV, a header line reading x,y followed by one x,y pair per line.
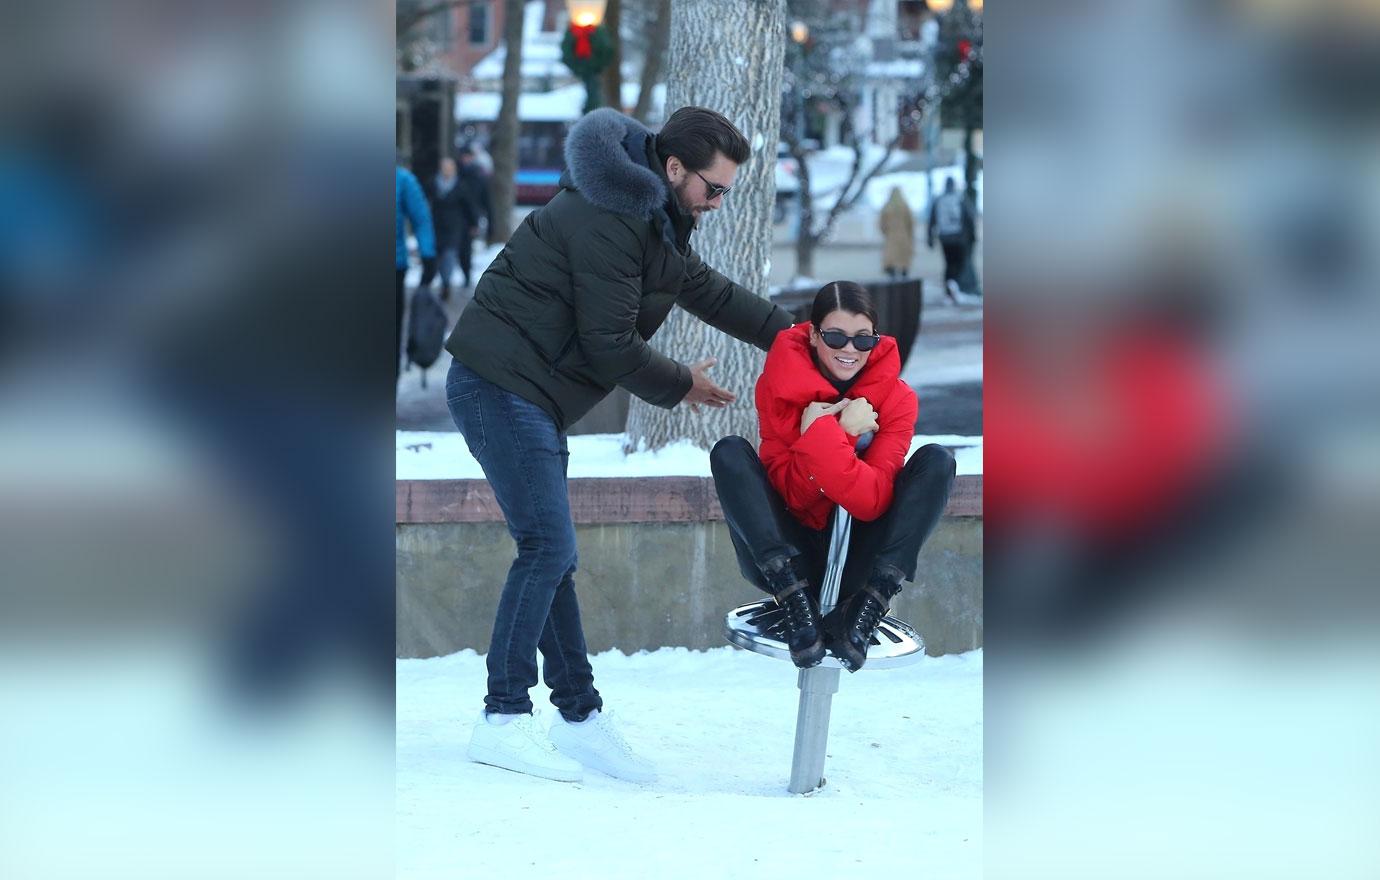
x,y
948,215
426,330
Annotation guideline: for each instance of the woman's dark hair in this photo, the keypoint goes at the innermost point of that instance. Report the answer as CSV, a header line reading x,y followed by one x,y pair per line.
x,y
846,295
695,134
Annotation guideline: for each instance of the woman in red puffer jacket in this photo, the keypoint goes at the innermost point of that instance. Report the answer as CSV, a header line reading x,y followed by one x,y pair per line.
x,y
836,423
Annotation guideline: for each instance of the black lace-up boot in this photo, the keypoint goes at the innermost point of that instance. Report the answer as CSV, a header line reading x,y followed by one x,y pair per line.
x,y
804,632
864,610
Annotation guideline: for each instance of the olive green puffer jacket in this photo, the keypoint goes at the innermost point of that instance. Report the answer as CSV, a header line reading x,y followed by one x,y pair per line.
x,y
565,311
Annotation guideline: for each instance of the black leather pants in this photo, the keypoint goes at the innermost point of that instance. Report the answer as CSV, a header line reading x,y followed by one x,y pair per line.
x,y
763,529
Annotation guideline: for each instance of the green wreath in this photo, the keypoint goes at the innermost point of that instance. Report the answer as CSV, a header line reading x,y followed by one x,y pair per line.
x,y
600,48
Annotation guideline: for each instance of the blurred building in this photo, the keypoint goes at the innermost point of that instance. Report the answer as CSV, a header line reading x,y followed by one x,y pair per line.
x,y
551,99
889,66
425,122
462,35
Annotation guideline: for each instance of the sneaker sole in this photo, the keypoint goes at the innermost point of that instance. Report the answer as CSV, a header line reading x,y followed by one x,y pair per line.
x,y
593,763
495,758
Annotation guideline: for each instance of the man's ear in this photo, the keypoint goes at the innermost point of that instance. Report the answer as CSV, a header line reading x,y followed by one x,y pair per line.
x,y
674,168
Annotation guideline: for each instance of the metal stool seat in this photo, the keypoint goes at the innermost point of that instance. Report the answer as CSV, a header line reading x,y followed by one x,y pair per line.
x,y
756,627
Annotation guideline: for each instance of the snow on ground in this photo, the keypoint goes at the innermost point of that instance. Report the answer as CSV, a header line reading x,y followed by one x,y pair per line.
x,y
903,793
480,260
830,168
437,455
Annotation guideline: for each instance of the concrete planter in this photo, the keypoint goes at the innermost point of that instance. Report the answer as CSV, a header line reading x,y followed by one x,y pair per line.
x,y
657,567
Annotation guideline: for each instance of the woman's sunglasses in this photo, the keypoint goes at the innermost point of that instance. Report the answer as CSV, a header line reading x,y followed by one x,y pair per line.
x,y
837,339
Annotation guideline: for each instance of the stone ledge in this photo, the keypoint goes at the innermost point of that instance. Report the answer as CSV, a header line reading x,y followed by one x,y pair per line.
x,y
610,500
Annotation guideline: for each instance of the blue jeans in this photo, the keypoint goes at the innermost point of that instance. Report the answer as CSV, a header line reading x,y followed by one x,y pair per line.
x,y
524,458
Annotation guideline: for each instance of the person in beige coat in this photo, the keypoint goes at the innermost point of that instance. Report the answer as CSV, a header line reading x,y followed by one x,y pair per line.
x,y
898,235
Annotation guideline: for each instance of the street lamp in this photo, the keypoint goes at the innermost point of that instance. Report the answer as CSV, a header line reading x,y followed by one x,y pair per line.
x,y
587,48
939,7
800,35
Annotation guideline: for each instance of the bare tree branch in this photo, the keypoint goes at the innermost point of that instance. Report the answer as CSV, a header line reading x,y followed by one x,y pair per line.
x,y
808,237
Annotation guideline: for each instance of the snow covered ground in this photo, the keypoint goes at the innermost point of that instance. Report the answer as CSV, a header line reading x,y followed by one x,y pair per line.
x,y
903,795
436,455
829,171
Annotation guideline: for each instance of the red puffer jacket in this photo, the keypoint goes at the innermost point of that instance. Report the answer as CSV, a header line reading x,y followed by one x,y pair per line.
x,y
818,469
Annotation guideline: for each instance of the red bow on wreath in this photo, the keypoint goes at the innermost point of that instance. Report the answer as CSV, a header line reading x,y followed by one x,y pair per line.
x,y
583,32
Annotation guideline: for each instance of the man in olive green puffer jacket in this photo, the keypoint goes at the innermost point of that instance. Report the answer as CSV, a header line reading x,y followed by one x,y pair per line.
x,y
561,317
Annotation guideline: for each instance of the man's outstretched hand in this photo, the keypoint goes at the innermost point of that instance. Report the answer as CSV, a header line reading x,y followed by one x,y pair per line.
x,y
703,390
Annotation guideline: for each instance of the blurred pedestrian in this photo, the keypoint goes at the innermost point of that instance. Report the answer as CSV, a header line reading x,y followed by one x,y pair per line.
x,y
897,224
456,213
482,159
952,220
410,207
474,177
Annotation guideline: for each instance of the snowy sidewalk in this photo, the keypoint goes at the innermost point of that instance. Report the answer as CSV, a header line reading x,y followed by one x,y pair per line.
x,y
904,776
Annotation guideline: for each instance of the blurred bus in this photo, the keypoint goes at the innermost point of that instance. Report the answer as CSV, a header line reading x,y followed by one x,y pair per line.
x,y
544,118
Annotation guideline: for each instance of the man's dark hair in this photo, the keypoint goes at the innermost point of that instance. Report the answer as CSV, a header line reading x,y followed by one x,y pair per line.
x,y
849,296
694,134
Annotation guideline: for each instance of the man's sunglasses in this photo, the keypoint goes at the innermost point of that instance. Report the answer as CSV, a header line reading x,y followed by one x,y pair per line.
x,y
837,339
712,190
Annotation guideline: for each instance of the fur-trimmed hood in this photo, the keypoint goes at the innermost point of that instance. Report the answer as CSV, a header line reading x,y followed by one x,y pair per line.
x,y
606,154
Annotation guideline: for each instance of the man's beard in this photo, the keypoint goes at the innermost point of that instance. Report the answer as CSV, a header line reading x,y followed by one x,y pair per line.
x,y
684,203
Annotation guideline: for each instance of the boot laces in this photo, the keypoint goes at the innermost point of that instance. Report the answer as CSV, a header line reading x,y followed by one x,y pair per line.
x,y
798,610
869,616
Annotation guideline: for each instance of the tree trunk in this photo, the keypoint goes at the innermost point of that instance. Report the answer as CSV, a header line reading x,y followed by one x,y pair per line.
x,y
805,238
659,39
502,187
613,74
726,55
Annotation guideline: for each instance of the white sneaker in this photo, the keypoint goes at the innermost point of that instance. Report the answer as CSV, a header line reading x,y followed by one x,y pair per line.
x,y
517,742
597,743
952,288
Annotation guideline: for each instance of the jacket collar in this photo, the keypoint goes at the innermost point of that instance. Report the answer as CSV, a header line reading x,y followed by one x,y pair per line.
x,y
606,157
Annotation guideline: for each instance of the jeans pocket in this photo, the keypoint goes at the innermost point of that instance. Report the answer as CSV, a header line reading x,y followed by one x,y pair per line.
x,y
468,416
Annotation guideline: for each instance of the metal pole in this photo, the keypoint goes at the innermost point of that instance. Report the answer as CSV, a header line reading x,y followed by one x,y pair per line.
x,y
817,689
594,92
818,685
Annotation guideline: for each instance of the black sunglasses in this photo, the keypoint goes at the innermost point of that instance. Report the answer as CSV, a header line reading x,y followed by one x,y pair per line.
x,y
837,339
712,190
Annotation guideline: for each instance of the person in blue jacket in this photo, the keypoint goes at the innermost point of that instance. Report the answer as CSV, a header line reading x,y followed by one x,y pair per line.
x,y
411,207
